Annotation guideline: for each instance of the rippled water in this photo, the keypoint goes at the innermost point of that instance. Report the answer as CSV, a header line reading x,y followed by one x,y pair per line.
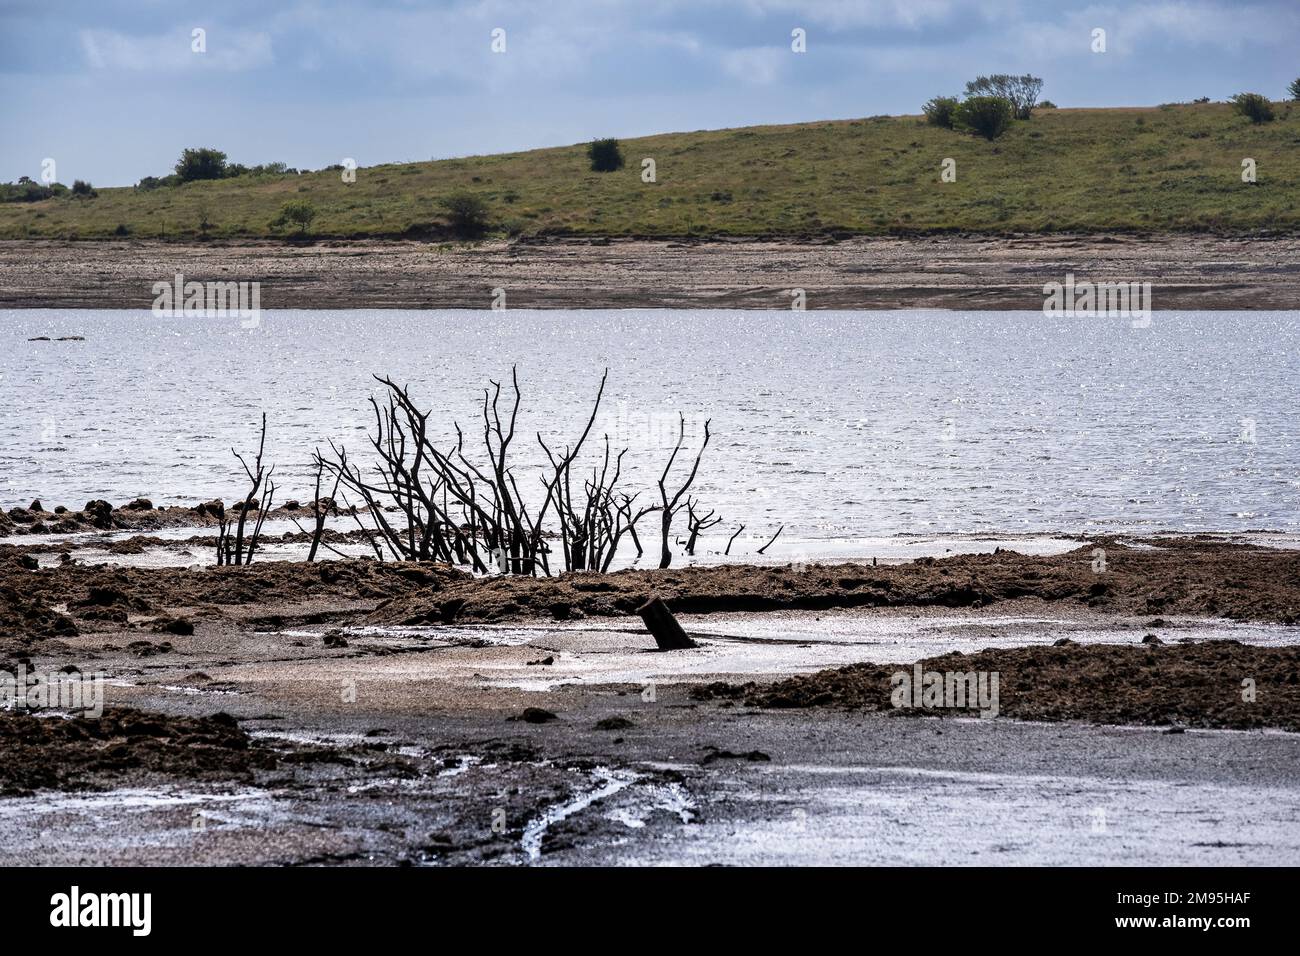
x,y
840,424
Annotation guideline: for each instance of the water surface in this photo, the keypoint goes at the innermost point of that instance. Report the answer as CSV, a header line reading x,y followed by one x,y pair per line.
x,y
841,425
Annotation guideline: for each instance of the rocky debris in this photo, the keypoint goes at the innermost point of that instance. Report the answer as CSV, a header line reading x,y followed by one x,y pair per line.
x,y
535,715
214,508
752,756
121,746
1195,685
1189,576
173,625
99,513
614,723
148,648
22,616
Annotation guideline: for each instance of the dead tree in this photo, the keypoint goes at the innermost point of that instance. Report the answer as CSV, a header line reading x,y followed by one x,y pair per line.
x,y
320,507
697,523
465,508
593,525
405,456
670,506
458,508
231,548
581,530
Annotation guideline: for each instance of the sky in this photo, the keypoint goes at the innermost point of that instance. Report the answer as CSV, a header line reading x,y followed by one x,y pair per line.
x,y
114,90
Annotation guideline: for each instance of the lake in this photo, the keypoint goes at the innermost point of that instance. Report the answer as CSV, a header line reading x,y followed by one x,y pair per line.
x,y
840,425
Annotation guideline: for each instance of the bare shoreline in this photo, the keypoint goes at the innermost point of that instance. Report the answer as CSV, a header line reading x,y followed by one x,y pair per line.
x,y
537,724
937,272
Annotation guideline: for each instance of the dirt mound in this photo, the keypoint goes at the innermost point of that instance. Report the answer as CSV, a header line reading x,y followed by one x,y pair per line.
x,y
110,594
1196,685
123,745
1178,576
20,616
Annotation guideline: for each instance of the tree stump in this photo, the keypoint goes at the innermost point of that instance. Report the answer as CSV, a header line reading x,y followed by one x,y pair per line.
x,y
659,621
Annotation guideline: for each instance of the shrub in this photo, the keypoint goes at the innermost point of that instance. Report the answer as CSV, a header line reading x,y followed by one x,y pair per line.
x,y
1254,106
270,169
82,188
939,111
1047,105
25,190
467,214
296,212
605,154
987,116
201,163
1294,89
1020,91
122,230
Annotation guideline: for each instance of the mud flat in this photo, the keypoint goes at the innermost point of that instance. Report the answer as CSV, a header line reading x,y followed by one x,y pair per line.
x,y
942,272
354,713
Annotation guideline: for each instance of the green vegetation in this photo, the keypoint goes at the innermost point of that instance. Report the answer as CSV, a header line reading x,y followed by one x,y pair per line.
x,y
940,111
1294,90
987,116
605,156
25,190
201,163
296,212
1254,106
1020,91
1062,170
467,214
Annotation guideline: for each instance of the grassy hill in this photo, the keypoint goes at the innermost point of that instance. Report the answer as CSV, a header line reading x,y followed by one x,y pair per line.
x,y
1159,168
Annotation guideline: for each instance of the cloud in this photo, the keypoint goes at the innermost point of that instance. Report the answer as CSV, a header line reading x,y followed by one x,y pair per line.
x,y
904,14
760,66
229,50
1139,29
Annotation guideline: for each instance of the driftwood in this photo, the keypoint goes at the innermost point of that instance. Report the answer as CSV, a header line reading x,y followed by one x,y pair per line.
x,y
659,621
771,539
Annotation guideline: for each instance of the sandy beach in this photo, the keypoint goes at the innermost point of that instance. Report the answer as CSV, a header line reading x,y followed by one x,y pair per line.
x,y
936,272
